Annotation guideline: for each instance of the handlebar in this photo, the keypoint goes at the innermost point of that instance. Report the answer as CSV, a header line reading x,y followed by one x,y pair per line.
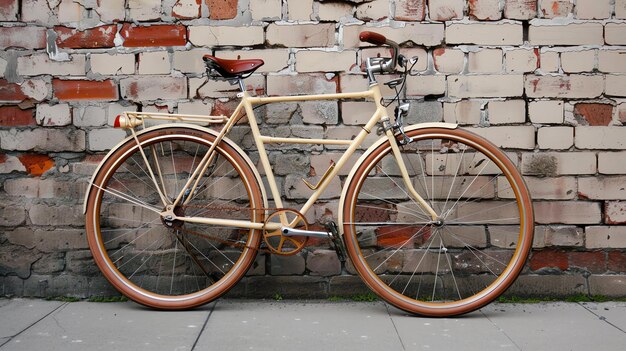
x,y
379,39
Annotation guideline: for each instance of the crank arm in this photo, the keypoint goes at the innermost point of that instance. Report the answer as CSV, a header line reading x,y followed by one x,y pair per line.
x,y
298,232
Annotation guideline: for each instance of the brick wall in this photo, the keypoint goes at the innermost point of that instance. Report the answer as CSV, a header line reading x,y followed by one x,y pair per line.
x,y
545,79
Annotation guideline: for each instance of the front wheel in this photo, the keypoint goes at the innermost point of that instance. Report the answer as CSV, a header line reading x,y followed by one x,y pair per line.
x,y
467,257
170,264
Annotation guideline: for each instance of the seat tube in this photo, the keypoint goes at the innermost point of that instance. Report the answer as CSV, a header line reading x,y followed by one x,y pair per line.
x,y
256,133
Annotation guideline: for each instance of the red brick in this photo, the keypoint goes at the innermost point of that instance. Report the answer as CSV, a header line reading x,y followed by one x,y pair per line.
x,y
99,37
592,261
595,114
222,9
617,261
224,108
23,37
36,164
404,236
157,35
13,116
84,90
549,259
11,92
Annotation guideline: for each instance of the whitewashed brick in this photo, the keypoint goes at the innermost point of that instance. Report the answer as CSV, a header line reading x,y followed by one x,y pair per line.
x,y
320,112
105,139
486,86
42,139
325,61
334,11
223,35
144,10
300,10
597,137
448,60
615,33
300,84
549,61
444,10
509,111
36,89
426,85
69,11
3,66
190,61
107,64
612,61
569,34
555,138
485,61
376,10
517,137
111,10
462,112
612,162
600,237
546,111
156,62
53,115
37,64
89,116
410,10
543,188
614,212
570,86
37,11
593,9
551,164
521,60
186,9
620,9
301,35
144,88
265,9
546,236
11,164
196,107
484,33
567,212
578,61
357,112
615,85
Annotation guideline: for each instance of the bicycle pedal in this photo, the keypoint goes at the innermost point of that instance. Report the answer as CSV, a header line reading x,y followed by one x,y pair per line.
x,y
336,241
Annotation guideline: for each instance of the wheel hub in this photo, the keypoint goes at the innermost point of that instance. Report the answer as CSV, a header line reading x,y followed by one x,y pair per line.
x,y
169,220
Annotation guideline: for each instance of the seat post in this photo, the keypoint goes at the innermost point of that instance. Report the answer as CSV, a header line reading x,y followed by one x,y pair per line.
x,y
241,85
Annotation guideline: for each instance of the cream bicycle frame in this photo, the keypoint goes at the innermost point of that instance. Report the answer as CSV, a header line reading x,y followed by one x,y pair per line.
x,y
245,107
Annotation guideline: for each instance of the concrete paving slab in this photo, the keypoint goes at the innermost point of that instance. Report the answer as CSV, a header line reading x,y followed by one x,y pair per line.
x,y
611,312
290,325
18,314
473,331
112,326
554,326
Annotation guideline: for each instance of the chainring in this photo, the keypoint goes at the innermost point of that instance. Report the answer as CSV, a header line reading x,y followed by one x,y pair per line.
x,y
280,244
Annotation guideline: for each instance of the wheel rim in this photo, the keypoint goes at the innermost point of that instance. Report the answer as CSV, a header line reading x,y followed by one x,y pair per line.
x,y
466,258
169,264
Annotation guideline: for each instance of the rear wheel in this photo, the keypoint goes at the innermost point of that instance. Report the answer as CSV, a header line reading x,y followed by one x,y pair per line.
x,y
163,263
468,256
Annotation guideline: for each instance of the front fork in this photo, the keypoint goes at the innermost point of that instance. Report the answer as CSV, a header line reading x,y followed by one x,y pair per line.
x,y
390,129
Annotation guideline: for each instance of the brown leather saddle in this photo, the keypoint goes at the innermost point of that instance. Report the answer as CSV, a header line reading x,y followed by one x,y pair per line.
x,y
231,69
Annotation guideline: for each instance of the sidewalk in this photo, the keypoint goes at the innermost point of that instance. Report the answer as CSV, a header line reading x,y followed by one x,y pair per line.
x,y
309,325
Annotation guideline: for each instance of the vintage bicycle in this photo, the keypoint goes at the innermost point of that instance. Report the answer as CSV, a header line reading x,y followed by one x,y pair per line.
x,y
436,220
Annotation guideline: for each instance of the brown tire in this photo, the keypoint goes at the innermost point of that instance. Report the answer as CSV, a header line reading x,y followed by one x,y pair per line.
x,y
170,264
460,261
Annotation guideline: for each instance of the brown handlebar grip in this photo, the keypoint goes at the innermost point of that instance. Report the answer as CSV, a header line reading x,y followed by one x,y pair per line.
x,y
373,38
